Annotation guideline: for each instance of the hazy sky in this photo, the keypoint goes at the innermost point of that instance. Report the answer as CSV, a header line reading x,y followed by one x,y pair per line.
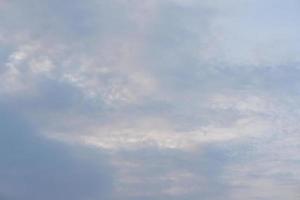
x,y
149,99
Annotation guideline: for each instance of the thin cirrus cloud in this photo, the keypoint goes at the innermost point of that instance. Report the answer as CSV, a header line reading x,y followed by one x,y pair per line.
x,y
149,100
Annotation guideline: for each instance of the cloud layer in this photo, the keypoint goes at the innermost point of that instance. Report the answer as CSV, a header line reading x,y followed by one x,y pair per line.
x,y
123,99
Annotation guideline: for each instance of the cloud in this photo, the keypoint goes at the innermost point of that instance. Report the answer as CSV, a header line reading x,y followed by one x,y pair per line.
x,y
34,168
186,99
171,174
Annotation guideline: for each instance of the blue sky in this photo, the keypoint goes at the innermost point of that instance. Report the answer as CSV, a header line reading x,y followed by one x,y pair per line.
x,y
153,99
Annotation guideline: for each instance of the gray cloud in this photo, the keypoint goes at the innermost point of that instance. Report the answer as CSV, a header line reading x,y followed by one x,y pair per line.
x,y
171,174
35,168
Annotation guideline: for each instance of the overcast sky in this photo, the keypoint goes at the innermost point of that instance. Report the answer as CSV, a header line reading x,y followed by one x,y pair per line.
x,y
149,99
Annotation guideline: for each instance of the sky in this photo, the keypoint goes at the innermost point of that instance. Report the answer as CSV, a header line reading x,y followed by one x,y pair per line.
x,y
152,99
